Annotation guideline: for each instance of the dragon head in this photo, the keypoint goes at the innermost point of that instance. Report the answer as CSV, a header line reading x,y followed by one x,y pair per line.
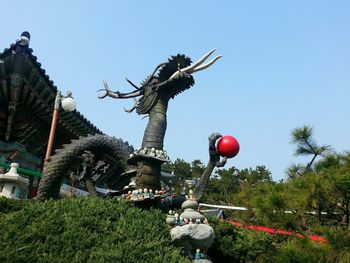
x,y
167,80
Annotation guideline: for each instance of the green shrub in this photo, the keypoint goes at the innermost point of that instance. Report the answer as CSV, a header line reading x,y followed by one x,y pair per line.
x,y
84,230
11,205
339,244
235,244
297,250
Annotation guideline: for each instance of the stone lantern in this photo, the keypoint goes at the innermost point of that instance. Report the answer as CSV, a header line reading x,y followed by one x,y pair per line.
x,y
12,185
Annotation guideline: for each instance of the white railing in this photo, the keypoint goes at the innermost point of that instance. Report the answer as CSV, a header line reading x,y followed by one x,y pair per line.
x,y
241,208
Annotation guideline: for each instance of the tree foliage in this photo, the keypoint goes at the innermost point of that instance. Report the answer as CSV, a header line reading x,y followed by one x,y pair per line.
x,y
185,170
226,183
314,194
306,145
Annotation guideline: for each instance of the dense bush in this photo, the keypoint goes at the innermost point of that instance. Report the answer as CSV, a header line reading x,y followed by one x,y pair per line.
x,y
11,205
235,244
296,250
83,230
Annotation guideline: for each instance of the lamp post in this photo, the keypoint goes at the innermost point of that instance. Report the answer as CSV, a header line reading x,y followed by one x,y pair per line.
x,y
68,104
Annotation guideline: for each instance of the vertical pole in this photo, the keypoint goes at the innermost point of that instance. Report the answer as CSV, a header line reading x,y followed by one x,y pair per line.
x,y
53,128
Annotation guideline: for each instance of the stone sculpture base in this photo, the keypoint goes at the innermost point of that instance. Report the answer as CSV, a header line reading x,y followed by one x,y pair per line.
x,y
193,236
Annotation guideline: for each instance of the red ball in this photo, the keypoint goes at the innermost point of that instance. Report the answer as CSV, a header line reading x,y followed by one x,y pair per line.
x,y
227,146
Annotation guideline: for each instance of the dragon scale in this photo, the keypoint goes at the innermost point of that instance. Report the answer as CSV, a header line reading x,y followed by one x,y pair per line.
x,y
155,131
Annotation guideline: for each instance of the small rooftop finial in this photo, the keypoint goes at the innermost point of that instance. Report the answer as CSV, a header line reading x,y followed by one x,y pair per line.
x,y
25,38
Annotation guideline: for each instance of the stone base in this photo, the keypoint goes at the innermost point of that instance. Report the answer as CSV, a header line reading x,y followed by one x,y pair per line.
x,y
193,236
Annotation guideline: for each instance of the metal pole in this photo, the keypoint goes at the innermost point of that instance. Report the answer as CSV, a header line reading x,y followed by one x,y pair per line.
x,y
21,170
53,127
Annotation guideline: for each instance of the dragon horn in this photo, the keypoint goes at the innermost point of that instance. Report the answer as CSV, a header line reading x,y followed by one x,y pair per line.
x,y
207,64
199,62
197,65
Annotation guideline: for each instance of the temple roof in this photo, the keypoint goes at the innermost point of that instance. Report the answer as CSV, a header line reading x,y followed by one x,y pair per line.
x,y
27,97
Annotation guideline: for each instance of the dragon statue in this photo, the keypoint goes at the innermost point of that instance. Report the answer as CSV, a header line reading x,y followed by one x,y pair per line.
x,y
167,80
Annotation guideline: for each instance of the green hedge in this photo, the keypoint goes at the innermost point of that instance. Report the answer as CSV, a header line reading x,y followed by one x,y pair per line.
x,y
83,230
11,205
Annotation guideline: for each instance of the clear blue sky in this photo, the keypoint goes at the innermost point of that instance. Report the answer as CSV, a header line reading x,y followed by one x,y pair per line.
x,y
285,64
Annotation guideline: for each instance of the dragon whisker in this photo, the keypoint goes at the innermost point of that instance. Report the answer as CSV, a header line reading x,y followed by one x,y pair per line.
x,y
133,108
132,84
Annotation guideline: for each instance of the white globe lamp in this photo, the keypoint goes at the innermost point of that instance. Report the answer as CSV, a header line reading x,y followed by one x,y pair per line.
x,y
68,104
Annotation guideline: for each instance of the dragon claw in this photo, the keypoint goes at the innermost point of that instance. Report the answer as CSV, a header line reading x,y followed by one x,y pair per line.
x,y
213,153
212,140
221,163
